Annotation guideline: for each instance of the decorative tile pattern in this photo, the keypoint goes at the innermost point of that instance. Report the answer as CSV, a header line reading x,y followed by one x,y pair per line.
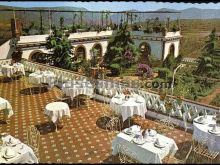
x,y
80,140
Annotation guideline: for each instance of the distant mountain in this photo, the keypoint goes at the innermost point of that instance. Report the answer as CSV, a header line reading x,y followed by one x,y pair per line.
x,y
190,13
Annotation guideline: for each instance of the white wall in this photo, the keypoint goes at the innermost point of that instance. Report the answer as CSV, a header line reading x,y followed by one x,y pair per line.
x,y
42,38
32,38
90,34
167,47
6,50
156,47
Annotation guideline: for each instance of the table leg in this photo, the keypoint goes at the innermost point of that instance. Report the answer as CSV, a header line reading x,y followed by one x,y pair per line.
x,y
5,117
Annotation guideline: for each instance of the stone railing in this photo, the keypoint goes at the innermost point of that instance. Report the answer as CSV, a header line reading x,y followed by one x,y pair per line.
x,y
155,106
6,61
62,75
106,89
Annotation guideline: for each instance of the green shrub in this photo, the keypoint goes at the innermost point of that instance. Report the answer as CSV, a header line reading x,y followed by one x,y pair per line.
x,y
115,69
216,101
164,73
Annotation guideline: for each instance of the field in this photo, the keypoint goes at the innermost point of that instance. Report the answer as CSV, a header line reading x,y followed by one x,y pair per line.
x,y
195,33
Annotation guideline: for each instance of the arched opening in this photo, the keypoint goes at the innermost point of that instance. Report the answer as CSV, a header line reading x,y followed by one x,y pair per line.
x,y
145,52
96,54
39,56
35,55
172,50
98,49
80,53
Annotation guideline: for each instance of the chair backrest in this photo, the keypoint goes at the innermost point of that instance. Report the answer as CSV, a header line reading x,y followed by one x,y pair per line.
x,y
33,137
189,152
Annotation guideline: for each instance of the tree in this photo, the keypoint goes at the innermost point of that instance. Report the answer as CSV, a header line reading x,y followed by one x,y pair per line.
x,y
61,22
121,51
61,48
207,61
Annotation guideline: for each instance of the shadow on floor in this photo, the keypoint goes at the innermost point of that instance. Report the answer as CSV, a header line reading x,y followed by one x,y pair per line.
x,y
47,127
102,121
111,160
33,90
3,122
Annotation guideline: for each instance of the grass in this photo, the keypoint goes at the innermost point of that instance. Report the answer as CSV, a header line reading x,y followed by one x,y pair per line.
x,y
216,101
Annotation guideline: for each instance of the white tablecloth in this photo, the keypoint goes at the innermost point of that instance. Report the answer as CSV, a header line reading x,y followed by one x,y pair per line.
x,y
129,107
56,110
26,153
201,131
9,70
6,107
146,153
42,77
75,88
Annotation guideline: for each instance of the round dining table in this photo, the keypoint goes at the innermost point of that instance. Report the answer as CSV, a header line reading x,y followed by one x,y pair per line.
x,y
74,88
135,104
9,70
39,77
56,110
202,129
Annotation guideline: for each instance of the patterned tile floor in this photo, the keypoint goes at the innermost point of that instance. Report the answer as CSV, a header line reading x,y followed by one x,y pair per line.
x,y
80,140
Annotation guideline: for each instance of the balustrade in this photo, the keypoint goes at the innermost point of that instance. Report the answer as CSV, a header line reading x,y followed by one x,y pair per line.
x,y
108,87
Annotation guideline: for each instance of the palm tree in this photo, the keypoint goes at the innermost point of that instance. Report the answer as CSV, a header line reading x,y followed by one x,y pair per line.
x,y
41,23
81,17
61,22
106,18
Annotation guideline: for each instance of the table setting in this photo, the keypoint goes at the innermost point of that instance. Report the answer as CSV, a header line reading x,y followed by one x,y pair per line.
x,y
39,77
6,107
128,104
56,110
207,127
12,150
77,87
151,146
9,70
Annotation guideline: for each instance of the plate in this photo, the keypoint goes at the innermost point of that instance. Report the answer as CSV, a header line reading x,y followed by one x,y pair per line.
x,y
139,141
128,131
117,102
138,101
201,122
152,132
159,146
9,156
214,132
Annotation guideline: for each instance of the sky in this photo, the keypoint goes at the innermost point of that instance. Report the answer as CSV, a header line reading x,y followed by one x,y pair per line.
x,y
112,6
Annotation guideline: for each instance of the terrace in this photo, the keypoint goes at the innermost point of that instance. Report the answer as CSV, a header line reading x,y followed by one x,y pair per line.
x,y
82,138
94,115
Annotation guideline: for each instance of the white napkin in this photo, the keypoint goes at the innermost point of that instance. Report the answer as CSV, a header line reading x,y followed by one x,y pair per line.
x,y
136,128
138,99
9,152
13,141
121,95
158,142
200,119
116,94
214,128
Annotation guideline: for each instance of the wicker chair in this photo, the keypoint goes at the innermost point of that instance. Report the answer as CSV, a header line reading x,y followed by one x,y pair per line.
x,y
164,127
201,150
60,96
172,160
33,137
27,85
